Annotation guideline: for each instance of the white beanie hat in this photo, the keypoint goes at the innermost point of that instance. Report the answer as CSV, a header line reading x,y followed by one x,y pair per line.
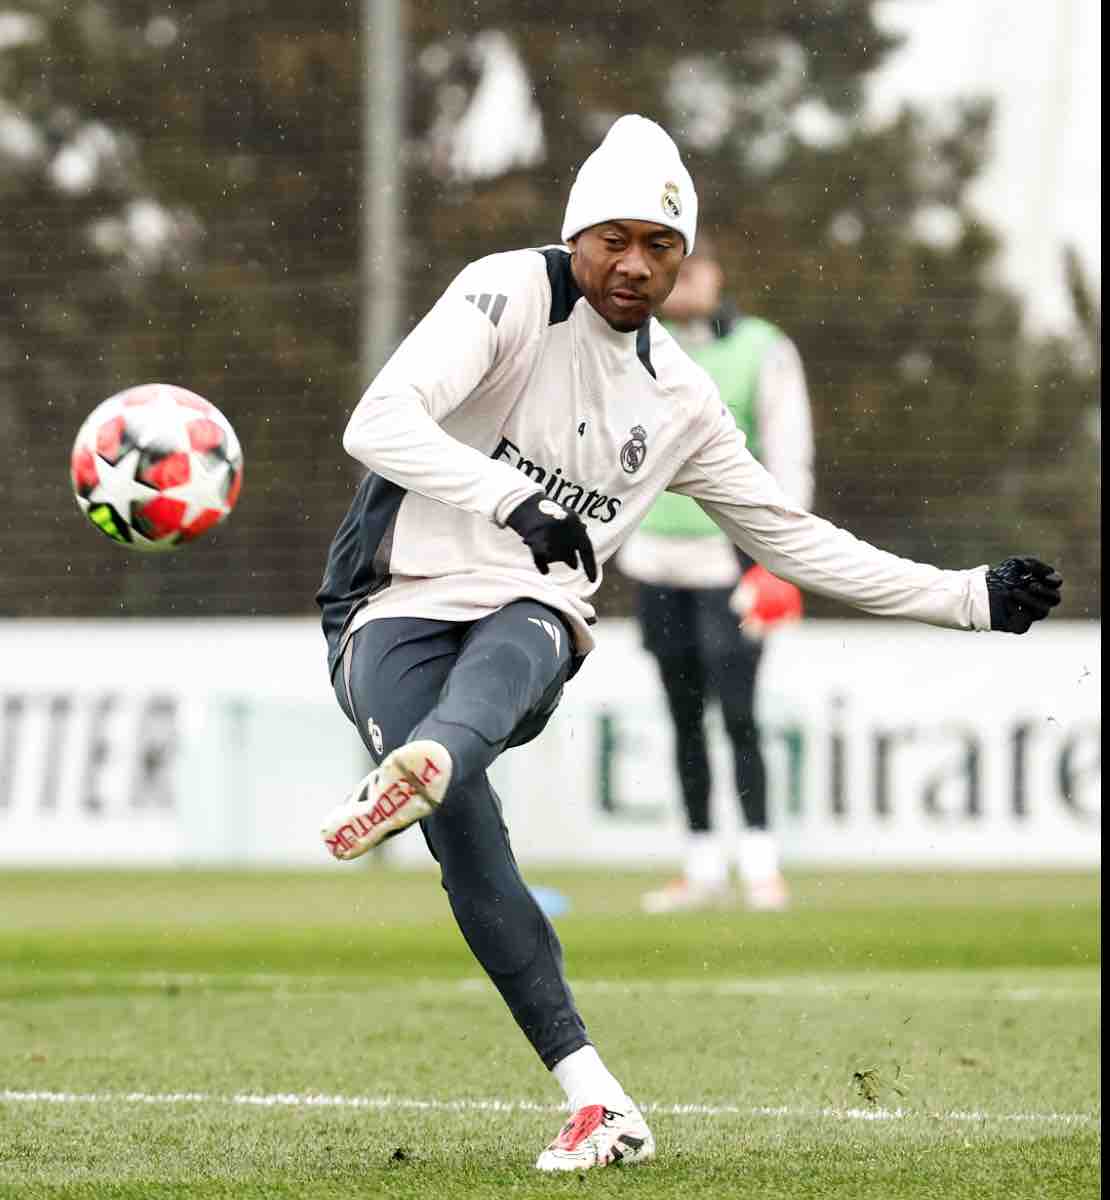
x,y
636,174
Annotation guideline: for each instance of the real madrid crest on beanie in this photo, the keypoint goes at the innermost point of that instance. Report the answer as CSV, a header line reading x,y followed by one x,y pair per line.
x,y
636,174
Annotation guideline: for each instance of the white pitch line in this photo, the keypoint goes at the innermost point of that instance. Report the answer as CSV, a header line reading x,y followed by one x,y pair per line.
x,y
473,987
800,986
385,1103
768,986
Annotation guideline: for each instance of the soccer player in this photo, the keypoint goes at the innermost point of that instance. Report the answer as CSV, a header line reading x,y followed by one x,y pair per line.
x,y
690,594
513,441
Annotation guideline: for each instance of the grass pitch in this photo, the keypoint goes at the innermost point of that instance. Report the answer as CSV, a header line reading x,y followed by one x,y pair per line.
x,y
261,1035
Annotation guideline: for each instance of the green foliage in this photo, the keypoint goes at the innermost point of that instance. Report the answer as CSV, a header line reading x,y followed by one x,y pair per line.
x,y
944,432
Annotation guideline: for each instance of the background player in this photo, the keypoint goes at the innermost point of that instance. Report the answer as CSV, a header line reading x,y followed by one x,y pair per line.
x,y
690,597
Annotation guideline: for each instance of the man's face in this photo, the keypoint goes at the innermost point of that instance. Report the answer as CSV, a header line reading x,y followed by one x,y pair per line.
x,y
626,269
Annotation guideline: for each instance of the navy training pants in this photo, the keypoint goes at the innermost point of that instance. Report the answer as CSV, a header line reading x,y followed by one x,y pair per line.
x,y
478,688
701,653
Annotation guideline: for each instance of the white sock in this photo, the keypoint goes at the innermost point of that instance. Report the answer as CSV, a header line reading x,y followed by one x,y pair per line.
x,y
706,864
586,1080
757,856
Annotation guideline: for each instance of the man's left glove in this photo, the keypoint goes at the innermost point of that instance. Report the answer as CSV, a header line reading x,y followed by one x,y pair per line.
x,y
553,534
1021,590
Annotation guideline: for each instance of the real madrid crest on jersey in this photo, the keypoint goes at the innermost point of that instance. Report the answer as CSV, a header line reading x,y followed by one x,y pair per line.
x,y
672,205
634,451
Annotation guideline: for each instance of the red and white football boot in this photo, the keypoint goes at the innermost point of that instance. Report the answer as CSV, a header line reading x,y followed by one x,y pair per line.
x,y
596,1136
408,786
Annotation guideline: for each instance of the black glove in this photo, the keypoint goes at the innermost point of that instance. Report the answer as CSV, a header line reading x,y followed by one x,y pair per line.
x,y
1021,591
553,534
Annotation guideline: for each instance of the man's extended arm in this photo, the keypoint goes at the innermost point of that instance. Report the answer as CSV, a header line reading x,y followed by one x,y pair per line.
x,y
820,557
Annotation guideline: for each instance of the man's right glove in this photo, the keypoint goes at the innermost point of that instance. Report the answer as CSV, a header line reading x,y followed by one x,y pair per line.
x,y
1021,591
553,534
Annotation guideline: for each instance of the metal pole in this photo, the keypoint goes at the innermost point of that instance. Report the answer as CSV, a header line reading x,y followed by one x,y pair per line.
x,y
381,274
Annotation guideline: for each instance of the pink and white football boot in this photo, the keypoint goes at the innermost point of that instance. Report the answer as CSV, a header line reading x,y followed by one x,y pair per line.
x,y
596,1136
408,786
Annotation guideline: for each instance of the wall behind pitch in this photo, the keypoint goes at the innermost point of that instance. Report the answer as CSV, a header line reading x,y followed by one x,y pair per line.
x,y
171,742
136,742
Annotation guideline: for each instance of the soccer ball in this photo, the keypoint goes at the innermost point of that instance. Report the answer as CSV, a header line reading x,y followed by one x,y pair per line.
x,y
155,466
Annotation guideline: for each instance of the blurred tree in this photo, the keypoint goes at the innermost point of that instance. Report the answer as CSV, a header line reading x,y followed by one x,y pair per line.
x,y
179,190
178,198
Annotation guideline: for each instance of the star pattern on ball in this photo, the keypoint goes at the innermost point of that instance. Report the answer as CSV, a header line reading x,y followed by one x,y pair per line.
x,y
118,486
159,415
205,489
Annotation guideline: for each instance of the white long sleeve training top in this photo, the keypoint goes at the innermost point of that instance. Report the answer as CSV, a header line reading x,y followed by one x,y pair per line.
x,y
513,385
